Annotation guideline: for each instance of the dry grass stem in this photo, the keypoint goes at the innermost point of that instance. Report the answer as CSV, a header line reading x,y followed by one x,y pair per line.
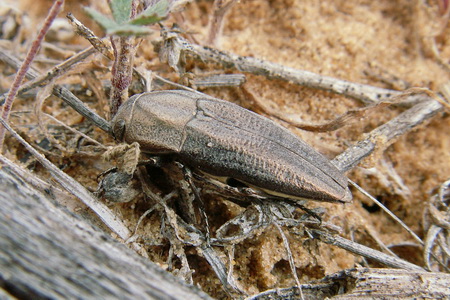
x,y
72,186
26,64
62,93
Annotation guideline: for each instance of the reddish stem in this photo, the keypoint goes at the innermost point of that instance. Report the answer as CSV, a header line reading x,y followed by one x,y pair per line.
x,y
121,71
55,9
124,50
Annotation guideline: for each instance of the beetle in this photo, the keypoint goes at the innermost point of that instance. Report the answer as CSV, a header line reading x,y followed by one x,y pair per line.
x,y
224,140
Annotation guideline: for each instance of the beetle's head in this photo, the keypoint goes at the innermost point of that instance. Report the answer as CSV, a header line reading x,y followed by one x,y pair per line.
x,y
118,130
122,118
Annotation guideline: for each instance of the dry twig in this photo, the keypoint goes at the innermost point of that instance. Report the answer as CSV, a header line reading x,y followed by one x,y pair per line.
x,y
75,188
367,252
175,46
61,92
384,135
369,283
26,64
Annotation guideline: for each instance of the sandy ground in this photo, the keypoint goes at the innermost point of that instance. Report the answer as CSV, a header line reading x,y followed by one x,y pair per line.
x,y
342,39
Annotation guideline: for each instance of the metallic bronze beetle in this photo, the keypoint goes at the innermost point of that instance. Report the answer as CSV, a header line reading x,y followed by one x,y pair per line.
x,y
225,140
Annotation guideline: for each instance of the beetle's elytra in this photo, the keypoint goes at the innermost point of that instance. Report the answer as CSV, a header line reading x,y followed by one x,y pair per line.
x,y
223,139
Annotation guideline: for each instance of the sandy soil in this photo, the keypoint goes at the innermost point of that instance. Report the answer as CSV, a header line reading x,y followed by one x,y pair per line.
x,y
344,39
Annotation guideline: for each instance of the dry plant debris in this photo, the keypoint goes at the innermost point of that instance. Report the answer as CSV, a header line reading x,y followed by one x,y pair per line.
x,y
375,73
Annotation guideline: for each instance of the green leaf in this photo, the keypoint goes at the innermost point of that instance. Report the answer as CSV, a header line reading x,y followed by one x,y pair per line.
x,y
101,19
121,10
128,30
152,14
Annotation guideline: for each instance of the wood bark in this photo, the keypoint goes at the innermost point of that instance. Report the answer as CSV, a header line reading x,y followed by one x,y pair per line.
x,y
47,252
367,283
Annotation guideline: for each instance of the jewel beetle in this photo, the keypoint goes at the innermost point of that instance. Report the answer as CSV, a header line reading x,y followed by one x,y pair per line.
x,y
225,140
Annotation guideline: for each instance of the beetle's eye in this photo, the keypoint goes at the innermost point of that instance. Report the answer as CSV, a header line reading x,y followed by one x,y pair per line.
x,y
119,130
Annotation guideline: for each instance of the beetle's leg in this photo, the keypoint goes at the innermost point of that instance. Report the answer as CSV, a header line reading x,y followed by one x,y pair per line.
x,y
186,203
241,195
189,179
315,213
311,213
245,225
154,161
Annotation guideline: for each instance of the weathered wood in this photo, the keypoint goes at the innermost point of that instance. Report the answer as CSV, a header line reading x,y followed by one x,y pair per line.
x,y
369,284
46,252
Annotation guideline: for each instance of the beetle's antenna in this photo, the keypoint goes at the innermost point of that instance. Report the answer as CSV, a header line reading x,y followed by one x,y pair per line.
x,y
397,219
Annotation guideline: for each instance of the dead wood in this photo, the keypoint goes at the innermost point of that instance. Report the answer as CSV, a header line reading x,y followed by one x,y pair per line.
x,y
46,252
370,284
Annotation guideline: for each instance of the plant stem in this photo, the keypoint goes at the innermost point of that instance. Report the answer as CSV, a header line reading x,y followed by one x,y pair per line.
x,y
121,71
55,9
